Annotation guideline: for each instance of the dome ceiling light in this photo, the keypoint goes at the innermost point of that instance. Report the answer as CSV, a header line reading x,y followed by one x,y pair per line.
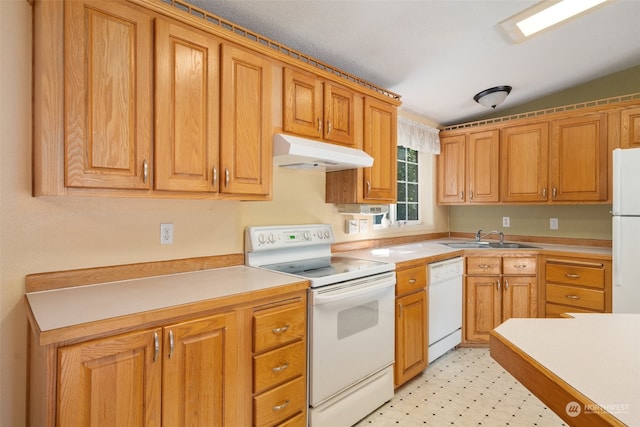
x,y
492,97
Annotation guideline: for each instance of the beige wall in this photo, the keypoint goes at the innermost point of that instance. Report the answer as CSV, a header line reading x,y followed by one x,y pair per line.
x,y
54,233
582,221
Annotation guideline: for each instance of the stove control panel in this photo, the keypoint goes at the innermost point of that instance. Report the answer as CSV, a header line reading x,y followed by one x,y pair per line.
x,y
279,237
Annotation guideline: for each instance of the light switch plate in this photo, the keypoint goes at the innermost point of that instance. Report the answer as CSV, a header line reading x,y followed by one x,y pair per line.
x,y
553,223
506,221
364,226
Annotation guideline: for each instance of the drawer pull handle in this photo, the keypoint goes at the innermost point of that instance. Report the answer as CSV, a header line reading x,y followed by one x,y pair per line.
x,y
506,285
280,330
281,406
498,284
484,266
280,368
520,266
412,281
574,297
572,276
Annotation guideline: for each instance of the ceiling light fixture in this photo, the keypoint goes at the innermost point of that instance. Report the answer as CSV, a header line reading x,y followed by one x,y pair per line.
x,y
545,15
492,97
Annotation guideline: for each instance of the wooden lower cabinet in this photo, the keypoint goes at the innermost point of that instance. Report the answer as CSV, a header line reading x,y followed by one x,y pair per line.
x,y
576,285
280,365
245,365
182,374
411,323
496,289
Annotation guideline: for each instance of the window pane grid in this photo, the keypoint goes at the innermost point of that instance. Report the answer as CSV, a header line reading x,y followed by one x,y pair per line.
x,y
407,205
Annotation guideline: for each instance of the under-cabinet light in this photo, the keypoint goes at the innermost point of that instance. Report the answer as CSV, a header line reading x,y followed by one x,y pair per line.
x,y
545,15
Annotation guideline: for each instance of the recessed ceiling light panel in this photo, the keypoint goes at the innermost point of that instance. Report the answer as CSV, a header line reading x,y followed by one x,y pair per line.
x,y
545,15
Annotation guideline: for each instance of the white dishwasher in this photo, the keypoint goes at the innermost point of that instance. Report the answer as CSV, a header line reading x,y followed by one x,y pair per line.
x,y
445,306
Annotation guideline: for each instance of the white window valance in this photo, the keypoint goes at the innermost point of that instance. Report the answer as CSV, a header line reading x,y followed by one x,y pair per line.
x,y
418,136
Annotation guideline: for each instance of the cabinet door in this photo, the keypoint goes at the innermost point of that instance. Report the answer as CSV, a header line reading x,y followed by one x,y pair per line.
x,y
246,143
339,115
411,336
111,382
380,135
524,163
451,170
107,72
302,104
579,158
187,99
484,171
630,128
199,384
482,307
519,297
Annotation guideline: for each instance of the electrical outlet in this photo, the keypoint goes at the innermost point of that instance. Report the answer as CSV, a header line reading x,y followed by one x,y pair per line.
x,y
506,221
553,223
351,226
364,226
166,234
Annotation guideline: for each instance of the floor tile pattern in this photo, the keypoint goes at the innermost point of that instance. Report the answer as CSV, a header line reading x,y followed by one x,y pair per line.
x,y
464,387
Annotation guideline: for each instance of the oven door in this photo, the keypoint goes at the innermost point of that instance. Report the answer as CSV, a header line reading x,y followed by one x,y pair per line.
x,y
351,333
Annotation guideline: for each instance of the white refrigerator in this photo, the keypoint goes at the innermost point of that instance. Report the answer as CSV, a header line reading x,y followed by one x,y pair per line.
x,y
626,230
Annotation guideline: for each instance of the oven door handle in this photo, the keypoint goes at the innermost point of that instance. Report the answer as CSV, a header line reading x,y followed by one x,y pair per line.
x,y
341,294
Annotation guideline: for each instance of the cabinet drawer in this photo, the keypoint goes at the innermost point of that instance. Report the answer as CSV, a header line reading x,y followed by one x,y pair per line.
x,y
278,366
484,265
299,420
591,299
516,266
411,279
279,325
554,310
280,403
575,274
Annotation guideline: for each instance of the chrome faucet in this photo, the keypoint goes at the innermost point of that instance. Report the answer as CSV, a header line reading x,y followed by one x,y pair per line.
x,y
480,236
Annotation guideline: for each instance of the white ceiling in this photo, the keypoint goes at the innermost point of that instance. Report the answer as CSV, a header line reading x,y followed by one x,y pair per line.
x,y
437,54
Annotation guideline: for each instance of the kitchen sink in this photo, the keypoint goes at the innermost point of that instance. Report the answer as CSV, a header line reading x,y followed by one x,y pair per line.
x,y
489,245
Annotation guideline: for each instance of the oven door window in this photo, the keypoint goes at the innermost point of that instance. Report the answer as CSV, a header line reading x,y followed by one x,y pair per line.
x,y
357,319
351,337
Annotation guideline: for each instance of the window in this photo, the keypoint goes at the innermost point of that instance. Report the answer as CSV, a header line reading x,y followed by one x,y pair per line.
x,y
407,207
406,210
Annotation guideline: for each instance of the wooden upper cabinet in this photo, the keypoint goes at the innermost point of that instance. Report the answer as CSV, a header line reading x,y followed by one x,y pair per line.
x,y
107,89
484,164
524,163
339,115
246,145
318,109
111,381
303,102
380,142
187,109
630,128
452,169
579,158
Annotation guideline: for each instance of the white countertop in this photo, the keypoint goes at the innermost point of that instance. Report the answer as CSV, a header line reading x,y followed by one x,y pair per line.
x,y
597,354
433,248
83,304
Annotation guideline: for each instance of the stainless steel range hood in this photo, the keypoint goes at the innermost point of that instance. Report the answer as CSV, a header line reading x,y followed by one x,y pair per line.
x,y
301,153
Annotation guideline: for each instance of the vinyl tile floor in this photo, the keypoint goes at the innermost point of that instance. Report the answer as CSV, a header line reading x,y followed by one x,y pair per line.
x,y
464,387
